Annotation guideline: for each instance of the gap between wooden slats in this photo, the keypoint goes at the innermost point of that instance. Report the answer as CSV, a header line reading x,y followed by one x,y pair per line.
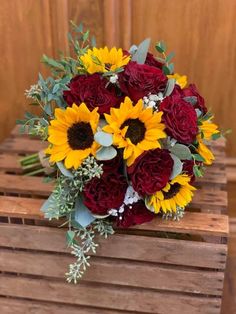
x,y
110,297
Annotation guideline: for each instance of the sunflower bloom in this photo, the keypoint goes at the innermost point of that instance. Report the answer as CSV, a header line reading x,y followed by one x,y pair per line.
x,y
134,128
204,152
178,192
104,60
181,80
71,135
207,129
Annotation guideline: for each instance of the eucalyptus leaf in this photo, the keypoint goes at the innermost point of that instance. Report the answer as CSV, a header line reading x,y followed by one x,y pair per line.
x,y
169,87
140,55
48,109
47,204
191,99
106,153
149,207
70,235
198,157
64,171
133,49
216,136
181,151
177,167
103,138
198,112
83,215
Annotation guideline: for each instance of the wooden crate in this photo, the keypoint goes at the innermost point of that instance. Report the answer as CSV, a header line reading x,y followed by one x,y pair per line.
x,y
160,267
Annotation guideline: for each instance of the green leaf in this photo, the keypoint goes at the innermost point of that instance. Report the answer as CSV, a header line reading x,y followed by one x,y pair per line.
x,y
70,236
181,151
160,46
166,70
83,215
198,157
169,57
103,138
169,87
216,136
106,153
140,55
171,67
198,112
177,167
64,171
48,109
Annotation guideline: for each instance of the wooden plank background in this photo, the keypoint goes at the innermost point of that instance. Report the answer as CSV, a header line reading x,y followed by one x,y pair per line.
x,y
201,32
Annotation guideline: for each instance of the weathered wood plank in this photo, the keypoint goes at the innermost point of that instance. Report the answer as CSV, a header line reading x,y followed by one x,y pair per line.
x,y
10,163
34,185
19,306
192,223
22,145
116,272
122,246
111,297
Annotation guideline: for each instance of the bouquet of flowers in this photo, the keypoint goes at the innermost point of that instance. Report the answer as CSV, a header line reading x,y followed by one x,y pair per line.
x,y
126,139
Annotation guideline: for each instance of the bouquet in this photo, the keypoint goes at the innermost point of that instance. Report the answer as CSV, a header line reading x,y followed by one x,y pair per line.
x,y
126,136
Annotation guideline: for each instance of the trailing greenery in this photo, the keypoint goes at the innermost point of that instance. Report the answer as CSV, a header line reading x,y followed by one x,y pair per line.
x,y
86,245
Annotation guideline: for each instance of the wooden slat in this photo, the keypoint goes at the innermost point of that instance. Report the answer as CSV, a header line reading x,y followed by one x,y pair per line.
x,y
22,145
192,223
19,306
125,299
35,185
122,246
10,163
116,272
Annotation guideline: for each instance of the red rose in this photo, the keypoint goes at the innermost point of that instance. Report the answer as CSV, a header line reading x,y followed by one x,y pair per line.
x,y
135,214
112,164
92,90
105,193
151,60
192,91
151,171
188,169
138,80
180,119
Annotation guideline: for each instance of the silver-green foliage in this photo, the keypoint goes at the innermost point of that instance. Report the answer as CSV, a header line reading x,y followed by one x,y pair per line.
x,y
179,214
86,246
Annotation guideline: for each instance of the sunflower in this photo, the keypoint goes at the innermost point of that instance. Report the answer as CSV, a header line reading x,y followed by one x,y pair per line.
x,y
134,128
71,135
104,60
207,129
204,152
181,80
177,193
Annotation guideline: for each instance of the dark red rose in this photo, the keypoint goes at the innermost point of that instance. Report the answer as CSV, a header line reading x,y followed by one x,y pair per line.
x,y
180,119
135,214
188,169
113,164
92,90
192,91
138,80
151,171
151,60
102,194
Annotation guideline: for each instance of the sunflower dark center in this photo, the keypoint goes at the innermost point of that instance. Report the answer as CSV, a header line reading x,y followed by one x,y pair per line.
x,y
80,135
174,189
136,130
